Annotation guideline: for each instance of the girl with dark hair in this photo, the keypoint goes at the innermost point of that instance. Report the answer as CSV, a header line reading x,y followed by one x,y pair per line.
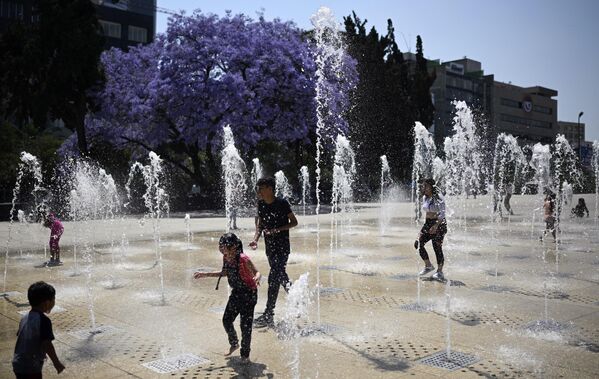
x,y
244,280
434,228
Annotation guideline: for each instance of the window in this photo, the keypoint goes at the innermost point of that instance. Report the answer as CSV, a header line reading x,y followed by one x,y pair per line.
x,y
510,103
138,34
542,109
111,29
525,121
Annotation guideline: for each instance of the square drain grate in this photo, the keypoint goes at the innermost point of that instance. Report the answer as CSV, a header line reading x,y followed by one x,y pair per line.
x,y
456,360
416,307
97,331
180,362
330,290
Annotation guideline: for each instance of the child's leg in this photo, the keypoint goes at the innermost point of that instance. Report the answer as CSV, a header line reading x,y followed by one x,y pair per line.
x,y
55,248
424,238
247,319
231,312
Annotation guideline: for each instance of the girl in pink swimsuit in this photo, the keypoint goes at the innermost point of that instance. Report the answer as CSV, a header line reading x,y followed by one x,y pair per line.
x,y
56,229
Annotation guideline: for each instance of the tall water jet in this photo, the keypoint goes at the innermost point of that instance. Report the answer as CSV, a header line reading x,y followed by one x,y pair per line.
x,y
464,156
439,173
344,172
305,184
385,195
234,177
257,172
187,231
29,165
93,196
282,186
425,153
565,164
508,164
386,180
329,58
540,164
297,312
595,165
156,202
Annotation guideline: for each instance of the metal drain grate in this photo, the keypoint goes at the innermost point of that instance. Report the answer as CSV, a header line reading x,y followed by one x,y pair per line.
x,y
473,318
350,295
392,349
416,307
495,288
97,331
540,326
455,361
330,290
402,277
180,362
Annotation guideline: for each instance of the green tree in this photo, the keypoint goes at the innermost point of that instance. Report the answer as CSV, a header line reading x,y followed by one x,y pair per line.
x,y
392,94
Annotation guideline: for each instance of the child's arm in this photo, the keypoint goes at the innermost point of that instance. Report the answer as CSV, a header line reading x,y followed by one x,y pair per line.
x,y
255,273
215,274
290,224
48,348
254,243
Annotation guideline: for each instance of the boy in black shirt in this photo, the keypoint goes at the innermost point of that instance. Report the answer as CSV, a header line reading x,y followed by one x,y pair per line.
x,y
34,338
275,218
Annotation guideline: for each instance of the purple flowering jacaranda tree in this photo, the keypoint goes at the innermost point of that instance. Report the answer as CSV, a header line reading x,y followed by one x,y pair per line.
x,y
175,94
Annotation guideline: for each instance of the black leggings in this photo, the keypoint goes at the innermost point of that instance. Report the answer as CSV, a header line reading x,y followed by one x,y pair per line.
x,y
277,277
241,302
436,238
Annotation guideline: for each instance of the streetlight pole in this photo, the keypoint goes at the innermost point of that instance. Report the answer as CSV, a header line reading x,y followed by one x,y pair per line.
x,y
579,137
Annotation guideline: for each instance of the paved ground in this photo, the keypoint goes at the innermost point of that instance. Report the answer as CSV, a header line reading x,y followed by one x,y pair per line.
x,y
517,307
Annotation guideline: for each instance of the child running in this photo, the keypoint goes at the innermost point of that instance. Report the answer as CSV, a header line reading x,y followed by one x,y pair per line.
x,y
433,229
580,208
244,280
56,229
549,218
34,338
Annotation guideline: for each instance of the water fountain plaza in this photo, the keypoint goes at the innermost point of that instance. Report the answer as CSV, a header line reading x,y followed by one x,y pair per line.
x,y
512,305
533,312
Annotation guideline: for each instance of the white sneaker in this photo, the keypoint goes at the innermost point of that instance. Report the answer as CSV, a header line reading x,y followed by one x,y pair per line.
x,y
438,276
426,270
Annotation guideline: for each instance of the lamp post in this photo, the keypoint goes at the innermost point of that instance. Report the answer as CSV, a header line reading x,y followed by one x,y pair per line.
x,y
579,137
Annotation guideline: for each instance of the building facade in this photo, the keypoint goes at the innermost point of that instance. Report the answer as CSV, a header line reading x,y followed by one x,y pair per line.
x,y
464,80
529,113
126,22
573,131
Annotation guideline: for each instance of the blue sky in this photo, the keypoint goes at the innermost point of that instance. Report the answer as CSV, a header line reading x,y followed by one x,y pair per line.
x,y
550,43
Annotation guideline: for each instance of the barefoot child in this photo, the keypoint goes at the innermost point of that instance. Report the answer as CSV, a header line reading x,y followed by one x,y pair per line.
x,y
243,279
34,338
56,229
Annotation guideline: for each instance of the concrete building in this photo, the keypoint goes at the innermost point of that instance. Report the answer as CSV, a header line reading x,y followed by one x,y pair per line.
x,y
126,22
529,113
462,79
573,131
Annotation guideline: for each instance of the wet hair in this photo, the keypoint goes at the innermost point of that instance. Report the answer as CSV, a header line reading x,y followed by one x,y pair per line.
x,y
39,292
432,183
230,239
267,181
581,201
